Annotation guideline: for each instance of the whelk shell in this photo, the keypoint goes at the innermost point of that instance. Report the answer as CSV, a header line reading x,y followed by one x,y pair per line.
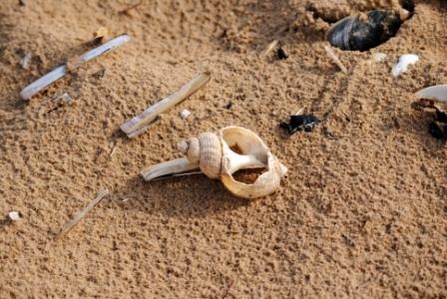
x,y
219,155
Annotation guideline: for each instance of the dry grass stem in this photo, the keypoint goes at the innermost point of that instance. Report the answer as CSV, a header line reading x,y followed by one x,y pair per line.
x,y
335,59
69,225
269,48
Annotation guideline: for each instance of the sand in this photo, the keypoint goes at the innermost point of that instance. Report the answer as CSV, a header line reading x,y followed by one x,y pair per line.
x,y
362,212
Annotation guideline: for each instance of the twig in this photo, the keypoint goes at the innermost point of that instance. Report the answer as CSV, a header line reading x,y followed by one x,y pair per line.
x,y
69,225
335,59
126,10
113,150
227,291
62,70
300,111
139,123
269,48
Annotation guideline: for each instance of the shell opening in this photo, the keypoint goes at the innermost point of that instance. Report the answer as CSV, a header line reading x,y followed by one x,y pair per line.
x,y
244,142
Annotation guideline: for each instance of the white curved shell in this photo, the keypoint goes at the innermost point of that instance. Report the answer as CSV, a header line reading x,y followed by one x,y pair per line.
x,y
437,92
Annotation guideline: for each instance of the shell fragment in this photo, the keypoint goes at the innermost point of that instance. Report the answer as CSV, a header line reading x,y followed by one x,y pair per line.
x,y
14,215
437,92
402,65
139,123
62,70
185,113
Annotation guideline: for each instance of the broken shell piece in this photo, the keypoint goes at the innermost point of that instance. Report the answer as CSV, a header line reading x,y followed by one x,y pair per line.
x,y
62,70
185,113
437,92
14,216
100,33
138,124
403,63
220,155
378,57
25,61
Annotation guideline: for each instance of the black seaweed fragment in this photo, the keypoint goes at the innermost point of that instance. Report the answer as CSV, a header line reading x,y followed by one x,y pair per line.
x,y
300,122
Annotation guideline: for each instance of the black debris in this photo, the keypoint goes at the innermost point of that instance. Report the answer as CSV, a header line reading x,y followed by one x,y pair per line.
x,y
229,104
300,122
438,127
437,130
282,54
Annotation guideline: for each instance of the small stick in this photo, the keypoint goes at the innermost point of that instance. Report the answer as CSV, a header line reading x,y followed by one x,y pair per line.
x,y
126,10
62,70
113,150
139,123
335,59
300,111
269,48
69,225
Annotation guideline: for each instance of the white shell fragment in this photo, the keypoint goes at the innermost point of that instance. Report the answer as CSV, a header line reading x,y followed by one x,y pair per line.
x,y
403,63
25,61
14,215
437,92
62,70
185,113
219,155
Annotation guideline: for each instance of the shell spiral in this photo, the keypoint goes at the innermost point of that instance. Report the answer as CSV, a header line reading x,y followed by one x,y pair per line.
x,y
206,151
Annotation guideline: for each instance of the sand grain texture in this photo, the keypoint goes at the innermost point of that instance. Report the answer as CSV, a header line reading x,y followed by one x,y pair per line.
x,y
362,212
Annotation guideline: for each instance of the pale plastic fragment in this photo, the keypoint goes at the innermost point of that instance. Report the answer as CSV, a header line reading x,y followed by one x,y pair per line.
x,y
402,65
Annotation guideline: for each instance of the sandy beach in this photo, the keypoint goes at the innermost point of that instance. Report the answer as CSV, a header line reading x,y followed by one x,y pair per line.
x,y
361,213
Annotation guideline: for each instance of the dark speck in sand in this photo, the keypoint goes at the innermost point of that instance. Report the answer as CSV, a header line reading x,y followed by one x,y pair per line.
x,y
300,122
